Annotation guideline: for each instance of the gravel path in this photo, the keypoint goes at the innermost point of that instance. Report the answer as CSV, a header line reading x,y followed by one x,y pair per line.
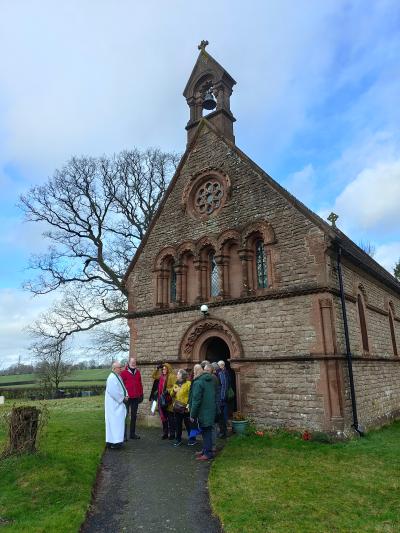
x,y
150,486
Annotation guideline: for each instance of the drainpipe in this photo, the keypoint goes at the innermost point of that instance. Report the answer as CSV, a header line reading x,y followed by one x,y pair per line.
x,y
348,350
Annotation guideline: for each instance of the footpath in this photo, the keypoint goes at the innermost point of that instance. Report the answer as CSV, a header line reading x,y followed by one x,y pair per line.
x,y
150,486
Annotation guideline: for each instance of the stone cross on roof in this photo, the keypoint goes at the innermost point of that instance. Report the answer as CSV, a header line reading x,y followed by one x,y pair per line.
x,y
202,45
332,218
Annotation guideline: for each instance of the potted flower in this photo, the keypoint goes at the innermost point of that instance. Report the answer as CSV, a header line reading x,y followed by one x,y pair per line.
x,y
239,423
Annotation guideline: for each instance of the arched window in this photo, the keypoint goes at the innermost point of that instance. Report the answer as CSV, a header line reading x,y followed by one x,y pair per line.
x,y
166,278
261,265
257,257
214,275
189,283
363,324
392,331
172,283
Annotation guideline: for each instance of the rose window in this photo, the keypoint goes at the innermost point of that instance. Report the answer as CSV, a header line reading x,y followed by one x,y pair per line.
x,y
209,197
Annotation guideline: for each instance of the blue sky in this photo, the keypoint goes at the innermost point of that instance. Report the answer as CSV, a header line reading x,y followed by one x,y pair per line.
x,y
316,102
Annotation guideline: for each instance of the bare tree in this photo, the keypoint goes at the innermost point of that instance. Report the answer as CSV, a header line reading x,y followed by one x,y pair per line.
x,y
367,247
111,341
96,211
52,363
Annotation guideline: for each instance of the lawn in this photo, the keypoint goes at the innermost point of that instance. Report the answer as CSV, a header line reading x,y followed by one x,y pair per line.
x,y
50,491
95,376
280,483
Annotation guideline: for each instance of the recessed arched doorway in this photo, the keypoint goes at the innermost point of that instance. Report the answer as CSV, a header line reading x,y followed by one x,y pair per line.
x,y
215,349
213,339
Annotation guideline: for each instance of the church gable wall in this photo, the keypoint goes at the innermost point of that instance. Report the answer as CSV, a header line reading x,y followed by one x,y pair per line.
x,y
298,255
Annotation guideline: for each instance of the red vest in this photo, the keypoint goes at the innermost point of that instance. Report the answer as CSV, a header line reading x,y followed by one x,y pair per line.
x,y
133,383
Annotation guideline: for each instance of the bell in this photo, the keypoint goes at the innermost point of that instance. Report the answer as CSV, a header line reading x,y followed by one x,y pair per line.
x,y
209,102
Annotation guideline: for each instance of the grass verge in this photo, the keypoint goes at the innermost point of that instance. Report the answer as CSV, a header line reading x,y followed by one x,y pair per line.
x,y
280,483
51,489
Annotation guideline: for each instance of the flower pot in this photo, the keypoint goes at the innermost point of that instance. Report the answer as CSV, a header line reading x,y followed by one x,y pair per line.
x,y
239,426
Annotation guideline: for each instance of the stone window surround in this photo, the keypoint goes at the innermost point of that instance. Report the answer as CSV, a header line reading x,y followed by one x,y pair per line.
x,y
391,315
194,185
245,241
362,319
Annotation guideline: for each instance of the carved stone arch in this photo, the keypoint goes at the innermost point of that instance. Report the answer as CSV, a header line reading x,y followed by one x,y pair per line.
x,y
229,235
202,330
164,277
228,247
253,282
201,84
185,248
205,242
261,227
169,251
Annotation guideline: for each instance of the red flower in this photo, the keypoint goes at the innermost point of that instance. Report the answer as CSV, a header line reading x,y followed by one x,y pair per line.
x,y
306,435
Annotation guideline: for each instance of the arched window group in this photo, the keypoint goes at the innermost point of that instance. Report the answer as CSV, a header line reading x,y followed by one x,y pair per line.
x,y
232,266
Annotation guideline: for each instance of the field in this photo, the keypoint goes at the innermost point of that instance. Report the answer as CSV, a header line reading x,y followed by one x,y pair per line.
x,y
51,490
77,378
281,484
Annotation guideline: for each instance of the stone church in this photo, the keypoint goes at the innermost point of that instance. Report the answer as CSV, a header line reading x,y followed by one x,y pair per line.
x,y
308,323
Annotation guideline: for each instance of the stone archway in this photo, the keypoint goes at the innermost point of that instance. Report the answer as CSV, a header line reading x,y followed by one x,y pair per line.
x,y
193,341
208,337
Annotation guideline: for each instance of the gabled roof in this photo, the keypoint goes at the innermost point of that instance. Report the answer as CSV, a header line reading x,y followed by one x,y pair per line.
x,y
349,248
206,64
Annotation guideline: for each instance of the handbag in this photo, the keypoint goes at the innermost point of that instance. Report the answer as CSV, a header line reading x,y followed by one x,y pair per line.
x,y
180,407
230,394
165,399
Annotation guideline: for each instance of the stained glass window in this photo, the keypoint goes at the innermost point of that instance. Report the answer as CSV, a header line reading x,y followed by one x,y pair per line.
x,y
214,276
172,287
261,266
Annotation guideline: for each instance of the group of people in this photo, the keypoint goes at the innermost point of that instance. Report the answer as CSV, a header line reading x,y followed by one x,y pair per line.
x,y
198,400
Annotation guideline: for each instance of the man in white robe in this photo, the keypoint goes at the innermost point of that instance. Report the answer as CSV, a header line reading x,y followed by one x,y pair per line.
x,y
115,409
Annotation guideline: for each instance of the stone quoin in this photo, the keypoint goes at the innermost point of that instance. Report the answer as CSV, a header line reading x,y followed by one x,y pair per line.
x,y
228,235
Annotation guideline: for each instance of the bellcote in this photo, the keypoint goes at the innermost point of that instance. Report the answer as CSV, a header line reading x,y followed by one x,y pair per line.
x,y
209,81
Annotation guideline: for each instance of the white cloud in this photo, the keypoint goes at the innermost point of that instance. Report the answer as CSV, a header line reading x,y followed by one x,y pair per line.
x,y
18,310
26,236
372,200
388,255
302,184
315,79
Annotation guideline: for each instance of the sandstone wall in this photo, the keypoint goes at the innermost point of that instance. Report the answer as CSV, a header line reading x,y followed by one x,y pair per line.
x,y
298,256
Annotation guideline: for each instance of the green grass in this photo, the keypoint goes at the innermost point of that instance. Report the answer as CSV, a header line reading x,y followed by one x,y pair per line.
x,y
95,376
49,491
17,377
282,484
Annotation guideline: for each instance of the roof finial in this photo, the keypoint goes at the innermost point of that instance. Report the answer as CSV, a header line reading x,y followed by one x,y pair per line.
x,y
332,218
202,45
